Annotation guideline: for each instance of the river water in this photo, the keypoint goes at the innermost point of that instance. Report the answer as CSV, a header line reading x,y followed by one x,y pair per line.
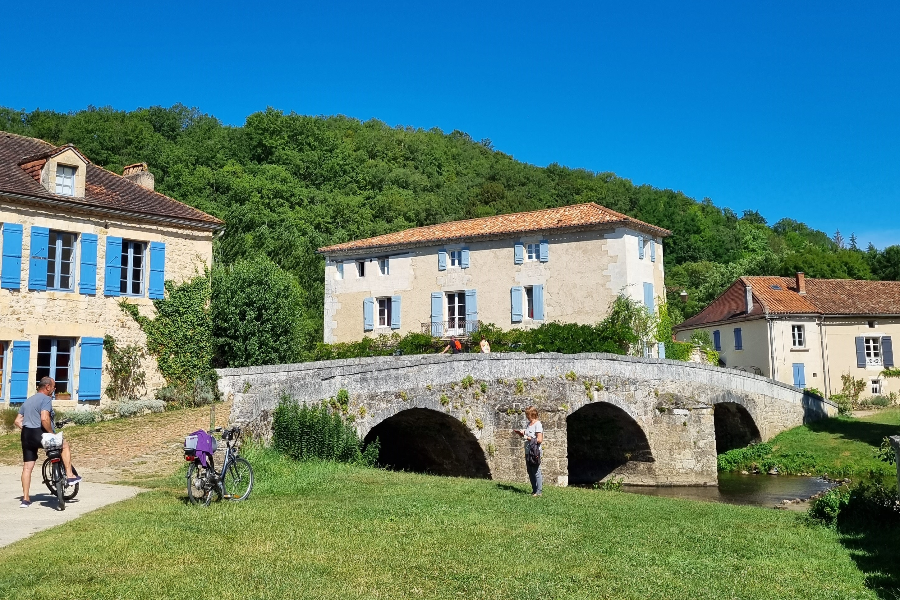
x,y
734,488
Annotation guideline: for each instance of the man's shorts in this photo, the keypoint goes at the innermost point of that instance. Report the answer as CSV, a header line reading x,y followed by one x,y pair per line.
x,y
31,443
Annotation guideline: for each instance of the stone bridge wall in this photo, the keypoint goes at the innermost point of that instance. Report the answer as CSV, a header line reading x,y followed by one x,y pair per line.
x,y
671,401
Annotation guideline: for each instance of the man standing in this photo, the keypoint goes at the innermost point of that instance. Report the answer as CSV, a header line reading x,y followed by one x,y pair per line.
x,y
36,417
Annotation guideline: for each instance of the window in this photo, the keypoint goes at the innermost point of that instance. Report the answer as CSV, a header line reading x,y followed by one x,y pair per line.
x,y
61,261
873,351
384,266
384,312
456,313
65,180
875,387
455,258
529,301
340,270
871,324
360,268
131,280
54,359
798,336
532,252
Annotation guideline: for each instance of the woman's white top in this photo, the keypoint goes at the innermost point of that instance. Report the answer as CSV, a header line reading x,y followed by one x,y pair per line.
x,y
531,432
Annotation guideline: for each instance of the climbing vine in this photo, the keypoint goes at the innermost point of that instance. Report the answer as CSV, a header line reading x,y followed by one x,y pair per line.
x,y
126,377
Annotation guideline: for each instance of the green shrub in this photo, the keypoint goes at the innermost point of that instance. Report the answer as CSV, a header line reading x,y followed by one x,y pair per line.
x,y
201,393
131,408
748,458
866,504
81,417
881,401
679,350
8,417
814,391
826,508
885,452
844,403
316,432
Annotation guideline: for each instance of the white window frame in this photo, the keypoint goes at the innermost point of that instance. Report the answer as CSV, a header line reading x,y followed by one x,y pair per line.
x,y
384,266
360,268
798,336
128,268
875,386
455,257
339,274
51,370
453,323
384,311
55,263
65,179
528,303
873,351
532,252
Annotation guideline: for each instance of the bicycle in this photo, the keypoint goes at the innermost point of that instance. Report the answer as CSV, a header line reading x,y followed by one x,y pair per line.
x,y
54,472
233,483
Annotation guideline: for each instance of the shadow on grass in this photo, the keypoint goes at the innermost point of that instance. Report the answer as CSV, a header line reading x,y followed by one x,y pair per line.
x,y
511,488
851,429
875,548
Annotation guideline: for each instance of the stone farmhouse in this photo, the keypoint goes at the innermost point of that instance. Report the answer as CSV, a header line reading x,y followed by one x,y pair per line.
x,y
76,240
562,264
805,332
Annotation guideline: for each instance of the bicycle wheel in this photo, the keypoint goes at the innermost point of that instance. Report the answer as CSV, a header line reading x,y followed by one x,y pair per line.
x,y
238,480
59,480
47,473
198,487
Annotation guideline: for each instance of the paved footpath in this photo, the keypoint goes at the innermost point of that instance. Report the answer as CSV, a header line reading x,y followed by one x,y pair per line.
x,y
18,523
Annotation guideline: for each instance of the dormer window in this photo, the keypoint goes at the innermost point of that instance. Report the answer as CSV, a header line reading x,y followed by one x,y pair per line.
x,y
65,180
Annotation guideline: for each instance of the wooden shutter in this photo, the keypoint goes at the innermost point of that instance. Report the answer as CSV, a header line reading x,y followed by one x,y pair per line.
x,y
641,247
652,250
11,268
37,264
519,253
471,311
717,340
442,260
90,368
368,314
861,352
537,296
887,351
113,273
464,258
661,349
395,312
738,339
544,251
87,281
156,286
799,375
437,314
516,294
18,381
648,296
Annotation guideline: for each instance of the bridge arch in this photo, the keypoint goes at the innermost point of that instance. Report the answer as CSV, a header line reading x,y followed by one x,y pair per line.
x,y
422,440
604,439
735,427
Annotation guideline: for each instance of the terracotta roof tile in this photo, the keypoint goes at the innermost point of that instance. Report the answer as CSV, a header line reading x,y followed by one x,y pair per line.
x,y
780,296
21,160
589,215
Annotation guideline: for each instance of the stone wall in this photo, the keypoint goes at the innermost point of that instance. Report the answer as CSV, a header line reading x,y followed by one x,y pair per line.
x,y
671,402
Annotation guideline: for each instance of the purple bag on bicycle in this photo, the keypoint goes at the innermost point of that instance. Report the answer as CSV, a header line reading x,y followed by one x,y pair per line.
x,y
199,445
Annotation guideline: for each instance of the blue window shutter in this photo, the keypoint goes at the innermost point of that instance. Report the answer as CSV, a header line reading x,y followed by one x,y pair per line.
x,y
113,273
652,250
465,258
516,294
157,283
395,312
887,351
437,314
661,349
87,282
545,251
519,253
799,375
471,310
641,247
18,381
37,265
11,268
738,339
368,314
861,352
90,368
538,299
442,260
717,340
648,296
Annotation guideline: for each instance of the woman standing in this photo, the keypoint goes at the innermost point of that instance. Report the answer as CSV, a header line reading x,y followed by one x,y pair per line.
x,y
534,437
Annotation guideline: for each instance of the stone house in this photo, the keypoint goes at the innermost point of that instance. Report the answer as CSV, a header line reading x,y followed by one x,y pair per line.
x,y
805,332
76,240
562,264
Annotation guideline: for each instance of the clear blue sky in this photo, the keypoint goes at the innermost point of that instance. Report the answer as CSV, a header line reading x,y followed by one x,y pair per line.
x,y
793,111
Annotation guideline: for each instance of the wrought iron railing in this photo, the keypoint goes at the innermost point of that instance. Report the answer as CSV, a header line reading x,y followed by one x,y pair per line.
x,y
451,328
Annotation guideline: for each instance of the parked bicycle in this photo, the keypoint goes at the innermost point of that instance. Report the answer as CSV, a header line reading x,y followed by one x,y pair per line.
x,y
54,471
234,482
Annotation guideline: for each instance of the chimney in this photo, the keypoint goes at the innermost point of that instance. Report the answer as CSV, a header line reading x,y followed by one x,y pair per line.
x,y
748,292
801,284
139,173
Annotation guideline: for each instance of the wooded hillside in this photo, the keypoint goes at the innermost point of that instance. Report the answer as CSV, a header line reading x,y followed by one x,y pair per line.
x,y
288,184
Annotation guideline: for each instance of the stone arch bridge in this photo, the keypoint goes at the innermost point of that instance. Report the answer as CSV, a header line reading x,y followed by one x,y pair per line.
x,y
649,421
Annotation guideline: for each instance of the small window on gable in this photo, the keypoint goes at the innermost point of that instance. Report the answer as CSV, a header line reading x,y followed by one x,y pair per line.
x,y
65,180
340,270
532,252
384,266
871,324
360,268
455,258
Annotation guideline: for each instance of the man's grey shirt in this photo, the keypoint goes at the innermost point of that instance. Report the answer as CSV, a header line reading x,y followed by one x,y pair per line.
x,y
31,410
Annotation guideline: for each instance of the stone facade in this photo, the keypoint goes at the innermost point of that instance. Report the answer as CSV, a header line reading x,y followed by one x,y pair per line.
x,y
657,417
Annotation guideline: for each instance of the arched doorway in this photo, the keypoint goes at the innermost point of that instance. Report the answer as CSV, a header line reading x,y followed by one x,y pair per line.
x,y
426,441
735,427
602,438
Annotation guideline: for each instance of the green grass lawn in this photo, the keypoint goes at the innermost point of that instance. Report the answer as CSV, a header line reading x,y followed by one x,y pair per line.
x,y
314,530
840,447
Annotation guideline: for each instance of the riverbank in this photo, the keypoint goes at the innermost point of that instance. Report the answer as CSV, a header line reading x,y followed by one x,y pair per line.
x,y
332,531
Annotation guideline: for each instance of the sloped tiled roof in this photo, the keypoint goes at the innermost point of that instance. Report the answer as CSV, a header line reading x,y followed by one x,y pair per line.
x,y
588,215
780,296
21,159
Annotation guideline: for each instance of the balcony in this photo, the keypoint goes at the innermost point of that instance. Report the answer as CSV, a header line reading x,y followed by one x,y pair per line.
x,y
452,328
